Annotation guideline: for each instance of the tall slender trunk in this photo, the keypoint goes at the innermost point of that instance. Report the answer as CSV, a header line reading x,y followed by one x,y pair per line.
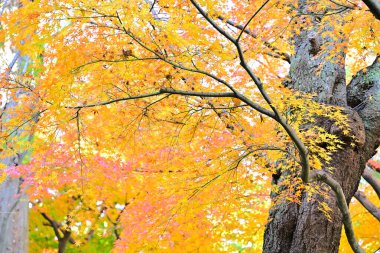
x,y
14,202
13,217
13,209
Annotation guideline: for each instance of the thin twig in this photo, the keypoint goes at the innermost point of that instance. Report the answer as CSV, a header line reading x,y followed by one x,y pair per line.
x,y
249,21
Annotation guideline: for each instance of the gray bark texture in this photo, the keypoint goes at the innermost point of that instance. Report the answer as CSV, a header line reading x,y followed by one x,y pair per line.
x,y
13,217
304,228
14,203
13,208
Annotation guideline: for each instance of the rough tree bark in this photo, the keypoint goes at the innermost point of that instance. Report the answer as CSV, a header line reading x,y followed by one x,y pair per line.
x,y
304,228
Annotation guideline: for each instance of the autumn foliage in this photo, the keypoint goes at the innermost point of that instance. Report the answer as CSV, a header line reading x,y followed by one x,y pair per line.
x,y
132,139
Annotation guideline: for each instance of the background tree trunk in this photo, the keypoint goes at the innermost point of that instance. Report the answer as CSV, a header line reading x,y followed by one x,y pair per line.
x,y
14,207
14,204
304,228
13,217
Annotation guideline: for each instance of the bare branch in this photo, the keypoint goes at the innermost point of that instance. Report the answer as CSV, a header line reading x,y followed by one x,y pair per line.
x,y
80,148
371,208
114,101
53,224
372,180
249,21
277,52
197,94
215,25
34,117
153,94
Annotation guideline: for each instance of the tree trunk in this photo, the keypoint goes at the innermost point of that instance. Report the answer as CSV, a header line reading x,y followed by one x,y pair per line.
x,y
13,209
14,204
13,217
63,243
304,228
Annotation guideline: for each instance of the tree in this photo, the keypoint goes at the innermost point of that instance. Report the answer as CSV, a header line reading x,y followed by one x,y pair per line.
x,y
175,108
13,202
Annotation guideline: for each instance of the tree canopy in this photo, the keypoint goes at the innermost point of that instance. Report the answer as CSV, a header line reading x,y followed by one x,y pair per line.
x,y
162,125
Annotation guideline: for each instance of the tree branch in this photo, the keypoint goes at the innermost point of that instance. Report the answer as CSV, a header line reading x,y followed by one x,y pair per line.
x,y
71,240
238,94
211,22
277,52
53,224
371,208
342,5
196,94
290,131
114,61
249,21
374,7
341,200
371,179
161,57
116,222
276,115
160,92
